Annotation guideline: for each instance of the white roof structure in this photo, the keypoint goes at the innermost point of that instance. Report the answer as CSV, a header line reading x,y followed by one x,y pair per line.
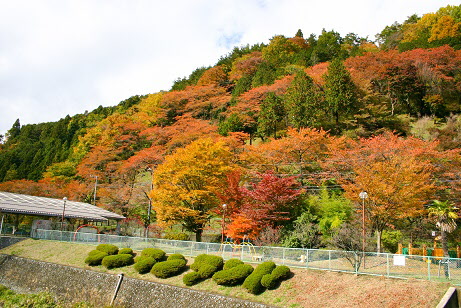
x,y
42,206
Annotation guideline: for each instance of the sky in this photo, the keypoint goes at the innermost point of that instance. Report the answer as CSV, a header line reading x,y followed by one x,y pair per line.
x,y
61,58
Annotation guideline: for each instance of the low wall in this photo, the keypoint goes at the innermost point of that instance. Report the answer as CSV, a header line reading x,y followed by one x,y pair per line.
x,y
6,241
76,284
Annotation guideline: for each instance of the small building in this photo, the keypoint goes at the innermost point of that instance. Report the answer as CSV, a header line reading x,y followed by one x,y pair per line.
x,y
60,213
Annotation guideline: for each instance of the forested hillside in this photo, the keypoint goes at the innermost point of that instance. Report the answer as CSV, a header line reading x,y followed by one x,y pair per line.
x,y
286,134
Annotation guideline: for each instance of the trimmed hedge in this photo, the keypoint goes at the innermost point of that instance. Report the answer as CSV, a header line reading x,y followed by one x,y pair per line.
x,y
280,273
253,282
216,261
176,256
191,278
95,257
126,251
168,268
157,254
232,263
114,261
108,248
145,265
207,270
234,275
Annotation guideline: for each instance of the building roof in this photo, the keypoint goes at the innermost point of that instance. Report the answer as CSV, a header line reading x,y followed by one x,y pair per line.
x,y
42,206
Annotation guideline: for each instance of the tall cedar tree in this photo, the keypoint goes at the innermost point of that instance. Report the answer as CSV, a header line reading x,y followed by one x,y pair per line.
x,y
340,91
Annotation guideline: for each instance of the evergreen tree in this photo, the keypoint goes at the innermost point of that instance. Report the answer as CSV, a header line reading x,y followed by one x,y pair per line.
x,y
301,101
340,91
272,112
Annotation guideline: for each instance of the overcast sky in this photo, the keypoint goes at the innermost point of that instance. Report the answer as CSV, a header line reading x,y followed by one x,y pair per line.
x,y
64,57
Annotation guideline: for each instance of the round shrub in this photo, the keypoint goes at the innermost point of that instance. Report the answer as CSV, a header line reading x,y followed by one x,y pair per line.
x,y
145,265
114,261
216,261
206,270
176,256
234,275
191,278
108,248
126,251
253,282
169,268
155,253
268,281
232,263
281,272
95,257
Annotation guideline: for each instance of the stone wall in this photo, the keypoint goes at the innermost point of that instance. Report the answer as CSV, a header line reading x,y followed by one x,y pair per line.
x,y
76,284
6,241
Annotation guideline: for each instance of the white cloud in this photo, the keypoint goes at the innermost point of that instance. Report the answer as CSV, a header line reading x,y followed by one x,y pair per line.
x,y
65,57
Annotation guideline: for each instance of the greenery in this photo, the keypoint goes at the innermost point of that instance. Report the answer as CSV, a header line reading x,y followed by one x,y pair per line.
x,y
144,265
234,275
177,236
115,261
191,278
232,263
253,282
95,257
108,248
157,254
168,268
279,273
126,251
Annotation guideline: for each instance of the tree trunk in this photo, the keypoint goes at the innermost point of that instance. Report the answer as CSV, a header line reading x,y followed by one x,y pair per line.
x,y
198,235
443,236
378,240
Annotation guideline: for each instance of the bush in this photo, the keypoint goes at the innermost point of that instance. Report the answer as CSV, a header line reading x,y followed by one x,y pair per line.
x,y
232,263
177,236
157,254
145,265
95,257
279,273
216,261
234,275
114,261
108,248
253,282
176,256
168,268
126,251
207,270
191,278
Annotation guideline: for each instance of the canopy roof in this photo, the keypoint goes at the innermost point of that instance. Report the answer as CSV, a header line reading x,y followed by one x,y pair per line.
x,y
31,205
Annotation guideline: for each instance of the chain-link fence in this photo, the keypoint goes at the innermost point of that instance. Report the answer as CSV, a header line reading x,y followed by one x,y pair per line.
x,y
369,263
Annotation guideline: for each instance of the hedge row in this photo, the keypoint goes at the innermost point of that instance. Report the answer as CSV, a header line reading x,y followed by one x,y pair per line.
x,y
157,254
168,268
114,261
234,275
271,280
108,248
95,257
253,282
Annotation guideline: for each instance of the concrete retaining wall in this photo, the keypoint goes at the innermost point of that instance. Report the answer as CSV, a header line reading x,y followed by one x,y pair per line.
x,y
75,284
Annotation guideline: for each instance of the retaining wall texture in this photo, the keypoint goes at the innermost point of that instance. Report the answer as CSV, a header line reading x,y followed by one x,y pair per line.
x,y
6,241
76,284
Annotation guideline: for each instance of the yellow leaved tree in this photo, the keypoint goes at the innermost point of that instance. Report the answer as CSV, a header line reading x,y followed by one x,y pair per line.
x,y
185,185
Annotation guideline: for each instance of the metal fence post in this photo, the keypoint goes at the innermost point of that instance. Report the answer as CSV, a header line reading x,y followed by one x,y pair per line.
x,y
429,261
387,264
307,258
329,259
283,256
